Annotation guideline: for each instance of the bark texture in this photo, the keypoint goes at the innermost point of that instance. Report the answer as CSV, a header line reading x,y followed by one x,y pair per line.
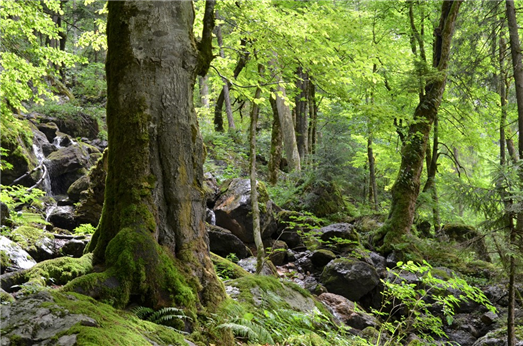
x,y
290,145
151,238
406,188
301,110
276,148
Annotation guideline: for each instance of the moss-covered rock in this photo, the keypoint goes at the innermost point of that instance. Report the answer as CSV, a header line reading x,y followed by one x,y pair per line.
x,y
71,318
227,269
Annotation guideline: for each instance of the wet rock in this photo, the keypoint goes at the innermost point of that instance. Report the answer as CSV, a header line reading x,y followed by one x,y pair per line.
x,y
349,277
49,129
63,217
74,248
234,211
77,125
222,242
13,257
461,337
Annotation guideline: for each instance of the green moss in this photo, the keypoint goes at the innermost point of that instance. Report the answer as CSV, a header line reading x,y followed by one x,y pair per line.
x,y
6,298
227,269
5,261
114,327
28,237
58,271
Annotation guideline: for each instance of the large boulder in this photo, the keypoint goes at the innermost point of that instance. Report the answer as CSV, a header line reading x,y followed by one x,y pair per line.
x,y
77,125
223,242
350,278
467,236
66,165
233,210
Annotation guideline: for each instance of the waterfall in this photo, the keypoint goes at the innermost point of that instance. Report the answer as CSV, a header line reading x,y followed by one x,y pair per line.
x,y
46,182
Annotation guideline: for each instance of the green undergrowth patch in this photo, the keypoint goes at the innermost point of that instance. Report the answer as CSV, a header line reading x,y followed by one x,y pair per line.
x,y
114,327
227,269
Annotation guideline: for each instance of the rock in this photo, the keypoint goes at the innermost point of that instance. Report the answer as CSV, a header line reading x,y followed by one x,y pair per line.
x,y
345,231
303,262
489,317
74,248
234,211
51,318
91,202
43,249
467,236
461,337
4,213
290,225
222,242
319,197
63,217
343,310
211,189
278,254
13,257
76,188
320,258
249,264
67,165
350,278
490,340
20,153
77,125
49,129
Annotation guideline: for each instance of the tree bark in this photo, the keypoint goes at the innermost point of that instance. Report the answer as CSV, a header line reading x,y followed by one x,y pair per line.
x,y
225,90
407,185
260,251
515,48
290,145
204,91
151,239
373,188
301,109
313,118
276,149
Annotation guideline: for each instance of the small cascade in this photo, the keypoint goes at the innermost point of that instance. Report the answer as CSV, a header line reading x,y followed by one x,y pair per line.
x,y
45,183
210,217
49,210
57,142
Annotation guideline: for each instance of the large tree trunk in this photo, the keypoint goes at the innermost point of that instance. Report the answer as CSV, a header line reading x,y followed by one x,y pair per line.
x,y
290,144
151,239
407,185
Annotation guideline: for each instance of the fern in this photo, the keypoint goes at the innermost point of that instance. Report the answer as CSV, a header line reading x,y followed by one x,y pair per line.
x,y
253,332
162,316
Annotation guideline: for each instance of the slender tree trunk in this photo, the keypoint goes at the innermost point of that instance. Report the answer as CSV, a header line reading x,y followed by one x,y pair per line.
x,y
204,91
301,101
218,117
151,240
260,252
313,118
407,185
226,96
373,189
276,149
432,169
517,64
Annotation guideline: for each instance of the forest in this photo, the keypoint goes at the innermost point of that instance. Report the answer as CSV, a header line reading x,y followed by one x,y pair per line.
x,y
383,140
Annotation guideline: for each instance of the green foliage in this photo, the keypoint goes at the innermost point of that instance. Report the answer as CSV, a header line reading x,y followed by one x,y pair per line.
x,y
85,228
169,316
226,155
410,306
91,83
4,165
17,196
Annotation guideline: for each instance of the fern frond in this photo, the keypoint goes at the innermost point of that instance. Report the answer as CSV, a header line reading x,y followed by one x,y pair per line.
x,y
142,312
247,329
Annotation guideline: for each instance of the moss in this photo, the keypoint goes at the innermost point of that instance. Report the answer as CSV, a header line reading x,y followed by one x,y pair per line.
x,y
6,298
5,260
58,271
28,237
114,327
227,269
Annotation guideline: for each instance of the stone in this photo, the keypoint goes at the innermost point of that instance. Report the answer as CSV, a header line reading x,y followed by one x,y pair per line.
x,y
63,217
49,130
76,188
233,211
66,165
14,256
350,278
74,248
489,317
278,254
343,310
222,242
320,258
461,337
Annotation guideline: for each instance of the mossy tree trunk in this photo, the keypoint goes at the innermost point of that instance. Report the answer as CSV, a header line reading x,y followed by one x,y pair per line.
x,y
406,188
151,239
276,145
